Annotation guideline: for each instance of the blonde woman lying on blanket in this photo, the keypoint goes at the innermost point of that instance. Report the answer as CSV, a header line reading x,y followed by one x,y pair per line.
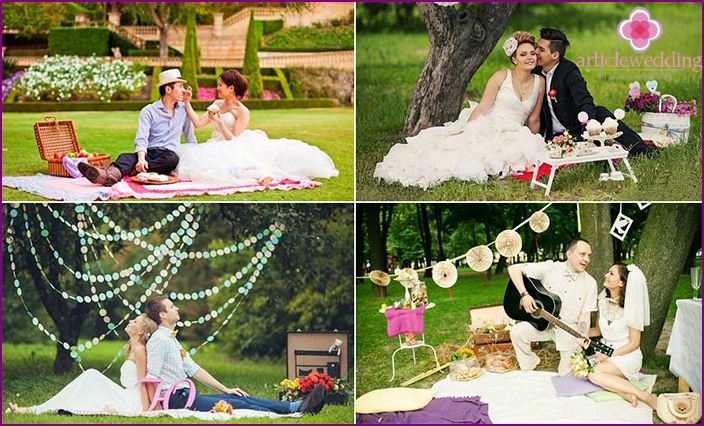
x,y
237,156
93,393
493,138
624,310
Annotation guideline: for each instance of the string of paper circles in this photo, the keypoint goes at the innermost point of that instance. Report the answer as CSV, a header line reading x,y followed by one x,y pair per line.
x,y
170,253
480,258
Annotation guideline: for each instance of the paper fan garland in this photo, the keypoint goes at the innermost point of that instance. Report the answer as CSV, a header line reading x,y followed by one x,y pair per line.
x,y
445,274
539,222
480,258
508,243
406,276
379,278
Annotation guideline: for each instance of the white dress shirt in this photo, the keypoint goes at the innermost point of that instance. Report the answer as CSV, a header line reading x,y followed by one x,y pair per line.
x,y
557,127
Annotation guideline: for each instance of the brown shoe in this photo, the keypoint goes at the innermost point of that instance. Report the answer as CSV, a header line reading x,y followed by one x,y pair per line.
x,y
105,177
314,401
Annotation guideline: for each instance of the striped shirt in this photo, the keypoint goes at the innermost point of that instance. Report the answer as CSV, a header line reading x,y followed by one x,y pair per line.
x,y
164,359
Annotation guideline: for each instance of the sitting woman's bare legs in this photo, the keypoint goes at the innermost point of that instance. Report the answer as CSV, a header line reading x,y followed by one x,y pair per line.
x,y
19,410
609,377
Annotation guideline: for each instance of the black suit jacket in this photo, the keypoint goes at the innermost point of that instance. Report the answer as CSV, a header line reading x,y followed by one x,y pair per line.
x,y
572,97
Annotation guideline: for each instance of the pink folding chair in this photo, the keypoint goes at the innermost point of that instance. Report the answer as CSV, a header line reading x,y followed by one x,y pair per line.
x,y
165,399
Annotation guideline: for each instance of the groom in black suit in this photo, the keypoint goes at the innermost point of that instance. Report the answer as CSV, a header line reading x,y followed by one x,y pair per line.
x,y
567,94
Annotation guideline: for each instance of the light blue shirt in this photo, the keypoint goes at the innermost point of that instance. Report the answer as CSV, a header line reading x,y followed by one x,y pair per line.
x,y
165,362
157,129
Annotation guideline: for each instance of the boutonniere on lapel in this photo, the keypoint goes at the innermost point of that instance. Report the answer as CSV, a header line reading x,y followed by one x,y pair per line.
x,y
553,95
183,354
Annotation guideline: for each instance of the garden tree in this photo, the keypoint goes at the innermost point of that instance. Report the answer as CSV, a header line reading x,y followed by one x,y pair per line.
x,y
596,224
661,254
191,54
164,15
425,237
377,220
250,69
32,19
438,213
460,41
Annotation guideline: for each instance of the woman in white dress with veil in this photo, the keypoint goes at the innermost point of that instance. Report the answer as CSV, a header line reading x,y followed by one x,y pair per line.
x,y
94,393
488,139
624,311
237,156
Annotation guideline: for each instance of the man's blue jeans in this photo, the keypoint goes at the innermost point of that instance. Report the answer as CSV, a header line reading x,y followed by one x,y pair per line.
x,y
206,402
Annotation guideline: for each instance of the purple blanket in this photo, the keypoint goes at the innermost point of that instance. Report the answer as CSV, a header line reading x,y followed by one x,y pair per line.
x,y
439,410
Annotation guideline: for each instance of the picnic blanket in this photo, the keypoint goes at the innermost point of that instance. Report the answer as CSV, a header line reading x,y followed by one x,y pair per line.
x,y
439,410
530,397
81,190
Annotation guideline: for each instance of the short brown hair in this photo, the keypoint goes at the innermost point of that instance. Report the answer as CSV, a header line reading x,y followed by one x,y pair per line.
x,y
574,242
235,79
154,307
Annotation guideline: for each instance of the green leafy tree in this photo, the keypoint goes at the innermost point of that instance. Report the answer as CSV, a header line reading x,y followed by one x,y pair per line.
x,y
251,70
32,19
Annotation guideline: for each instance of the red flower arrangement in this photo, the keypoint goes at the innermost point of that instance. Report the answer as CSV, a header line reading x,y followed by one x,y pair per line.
x,y
312,379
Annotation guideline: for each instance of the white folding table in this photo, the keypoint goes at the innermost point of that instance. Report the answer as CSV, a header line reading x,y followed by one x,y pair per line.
x,y
601,153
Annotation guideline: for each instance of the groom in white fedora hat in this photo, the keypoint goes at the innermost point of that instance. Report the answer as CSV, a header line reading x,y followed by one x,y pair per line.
x,y
161,125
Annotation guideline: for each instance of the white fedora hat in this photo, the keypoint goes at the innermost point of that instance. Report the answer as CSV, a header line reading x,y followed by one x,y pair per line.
x,y
170,76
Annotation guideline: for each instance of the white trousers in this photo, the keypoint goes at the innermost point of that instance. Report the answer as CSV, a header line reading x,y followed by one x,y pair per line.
x,y
523,333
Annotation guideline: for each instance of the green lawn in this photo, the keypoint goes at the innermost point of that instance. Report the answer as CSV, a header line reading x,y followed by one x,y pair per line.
x,y
28,379
446,323
332,130
389,64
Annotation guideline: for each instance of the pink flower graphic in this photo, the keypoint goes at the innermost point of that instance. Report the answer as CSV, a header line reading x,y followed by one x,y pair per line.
x,y
639,29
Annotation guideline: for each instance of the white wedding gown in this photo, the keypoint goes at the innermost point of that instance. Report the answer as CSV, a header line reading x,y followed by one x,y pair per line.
x,y
490,145
94,393
250,157
616,335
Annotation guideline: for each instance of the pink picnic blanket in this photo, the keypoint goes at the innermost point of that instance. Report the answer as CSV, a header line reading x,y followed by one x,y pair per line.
x,y
81,190
404,320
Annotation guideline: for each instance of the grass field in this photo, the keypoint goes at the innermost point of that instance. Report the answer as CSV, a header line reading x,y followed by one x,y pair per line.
x,y
389,64
448,324
28,379
332,130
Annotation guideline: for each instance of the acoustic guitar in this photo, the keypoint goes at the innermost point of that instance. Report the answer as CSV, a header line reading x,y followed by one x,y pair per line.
x,y
548,312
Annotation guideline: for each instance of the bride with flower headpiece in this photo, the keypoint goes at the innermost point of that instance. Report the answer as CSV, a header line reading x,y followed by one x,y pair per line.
x,y
624,311
495,137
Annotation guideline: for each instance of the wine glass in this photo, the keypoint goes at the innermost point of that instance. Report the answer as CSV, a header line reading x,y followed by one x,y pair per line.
x,y
696,276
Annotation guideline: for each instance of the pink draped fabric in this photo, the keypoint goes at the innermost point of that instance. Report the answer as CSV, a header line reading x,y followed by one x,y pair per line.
x,y
404,320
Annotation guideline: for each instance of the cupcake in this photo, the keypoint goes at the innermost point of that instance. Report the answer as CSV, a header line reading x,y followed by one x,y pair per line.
x,y
593,127
213,108
610,126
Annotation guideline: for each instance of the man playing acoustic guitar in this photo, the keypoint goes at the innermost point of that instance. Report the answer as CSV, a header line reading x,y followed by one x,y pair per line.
x,y
576,290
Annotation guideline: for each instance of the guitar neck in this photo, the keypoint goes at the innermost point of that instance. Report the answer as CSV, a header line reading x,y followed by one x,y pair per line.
x,y
552,319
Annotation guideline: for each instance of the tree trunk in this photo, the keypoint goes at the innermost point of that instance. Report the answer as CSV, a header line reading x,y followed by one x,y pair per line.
x,y
459,44
424,228
164,41
661,254
359,237
377,247
437,210
596,226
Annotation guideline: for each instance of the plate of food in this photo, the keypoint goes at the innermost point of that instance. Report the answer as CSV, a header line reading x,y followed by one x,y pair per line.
x,y
601,137
154,179
497,362
462,375
585,148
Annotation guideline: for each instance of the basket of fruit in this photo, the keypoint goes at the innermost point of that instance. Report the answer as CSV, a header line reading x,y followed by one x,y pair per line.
x,y
57,139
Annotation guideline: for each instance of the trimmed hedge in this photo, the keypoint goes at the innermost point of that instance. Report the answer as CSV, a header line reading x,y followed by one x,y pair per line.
x,y
272,26
208,80
311,39
118,41
152,52
138,105
85,41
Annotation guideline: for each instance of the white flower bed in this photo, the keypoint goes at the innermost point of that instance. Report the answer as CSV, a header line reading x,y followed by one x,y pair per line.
x,y
62,77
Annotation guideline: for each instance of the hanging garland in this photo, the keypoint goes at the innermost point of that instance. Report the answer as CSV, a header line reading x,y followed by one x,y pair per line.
x,y
165,251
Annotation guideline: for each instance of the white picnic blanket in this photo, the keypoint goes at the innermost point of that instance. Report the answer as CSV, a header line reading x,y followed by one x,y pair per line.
x,y
530,397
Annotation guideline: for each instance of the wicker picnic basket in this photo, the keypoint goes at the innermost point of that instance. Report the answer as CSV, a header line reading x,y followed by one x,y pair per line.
x,y
60,136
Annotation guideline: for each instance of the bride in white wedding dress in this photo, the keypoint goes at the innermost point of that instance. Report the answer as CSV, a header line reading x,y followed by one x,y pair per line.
x,y
237,156
94,393
488,139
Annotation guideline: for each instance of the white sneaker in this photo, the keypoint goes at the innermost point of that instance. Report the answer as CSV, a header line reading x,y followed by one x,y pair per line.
x,y
616,176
